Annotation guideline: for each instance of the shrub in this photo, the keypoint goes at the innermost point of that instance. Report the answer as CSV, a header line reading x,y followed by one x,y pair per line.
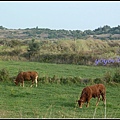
x,y
98,80
107,77
4,75
116,77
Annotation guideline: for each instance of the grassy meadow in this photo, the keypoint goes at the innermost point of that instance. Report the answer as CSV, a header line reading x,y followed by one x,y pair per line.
x,y
60,70
55,100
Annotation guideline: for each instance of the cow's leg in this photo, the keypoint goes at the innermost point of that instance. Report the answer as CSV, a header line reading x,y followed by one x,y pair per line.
x,y
32,83
23,83
87,105
88,102
36,80
98,100
103,98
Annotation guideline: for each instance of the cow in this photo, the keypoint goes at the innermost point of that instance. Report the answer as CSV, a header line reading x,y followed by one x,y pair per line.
x,y
26,76
94,91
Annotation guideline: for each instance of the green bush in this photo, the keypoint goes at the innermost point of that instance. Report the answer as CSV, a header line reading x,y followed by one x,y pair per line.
x,y
108,77
98,81
116,77
4,75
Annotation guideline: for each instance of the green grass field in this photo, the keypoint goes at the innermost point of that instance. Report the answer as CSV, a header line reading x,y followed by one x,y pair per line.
x,y
60,70
55,100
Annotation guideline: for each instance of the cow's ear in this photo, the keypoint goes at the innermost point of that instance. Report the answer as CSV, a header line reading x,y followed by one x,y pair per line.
x,y
81,100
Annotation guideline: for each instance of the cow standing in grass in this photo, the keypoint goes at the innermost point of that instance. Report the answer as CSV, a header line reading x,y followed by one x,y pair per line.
x,y
94,91
26,76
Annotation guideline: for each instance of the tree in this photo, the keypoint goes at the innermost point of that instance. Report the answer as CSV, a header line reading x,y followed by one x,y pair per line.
x,y
34,48
2,28
106,29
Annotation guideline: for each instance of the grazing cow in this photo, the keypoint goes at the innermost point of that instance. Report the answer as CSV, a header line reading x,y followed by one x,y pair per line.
x,y
29,75
92,91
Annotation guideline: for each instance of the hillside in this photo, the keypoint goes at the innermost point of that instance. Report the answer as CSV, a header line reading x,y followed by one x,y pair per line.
x,y
61,46
80,51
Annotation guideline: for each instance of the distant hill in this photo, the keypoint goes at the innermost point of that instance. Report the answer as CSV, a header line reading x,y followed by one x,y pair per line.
x,y
103,33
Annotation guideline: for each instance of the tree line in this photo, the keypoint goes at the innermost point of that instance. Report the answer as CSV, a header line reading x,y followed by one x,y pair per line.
x,y
45,33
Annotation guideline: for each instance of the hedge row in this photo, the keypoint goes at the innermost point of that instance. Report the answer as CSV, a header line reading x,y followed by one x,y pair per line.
x,y
107,78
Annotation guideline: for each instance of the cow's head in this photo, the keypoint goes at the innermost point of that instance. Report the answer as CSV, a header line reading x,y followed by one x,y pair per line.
x,y
15,82
80,103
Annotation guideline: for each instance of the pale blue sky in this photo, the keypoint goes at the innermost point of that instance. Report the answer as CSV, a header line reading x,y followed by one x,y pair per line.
x,y
75,15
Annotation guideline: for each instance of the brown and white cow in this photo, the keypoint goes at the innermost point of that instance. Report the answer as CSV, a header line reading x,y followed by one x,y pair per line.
x,y
29,75
94,91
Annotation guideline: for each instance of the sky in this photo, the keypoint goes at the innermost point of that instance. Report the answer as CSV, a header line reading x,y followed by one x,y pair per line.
x,y
67,15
